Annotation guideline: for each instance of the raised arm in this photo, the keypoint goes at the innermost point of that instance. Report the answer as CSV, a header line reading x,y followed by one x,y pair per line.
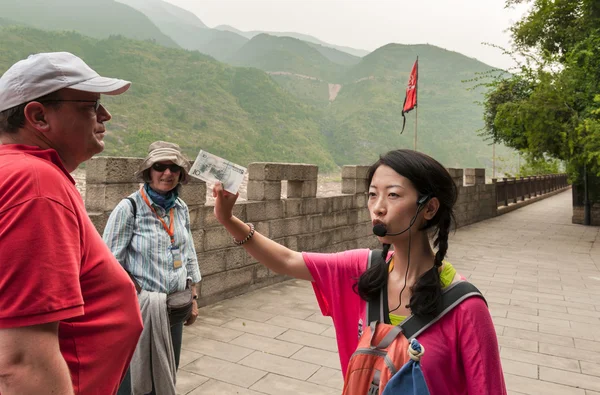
x,y
31,362
274,256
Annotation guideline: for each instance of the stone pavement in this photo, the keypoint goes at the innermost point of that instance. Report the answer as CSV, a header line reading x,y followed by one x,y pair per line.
x,y
540,275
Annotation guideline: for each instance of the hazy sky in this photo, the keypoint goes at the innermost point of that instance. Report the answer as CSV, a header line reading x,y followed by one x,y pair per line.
x,y
458,25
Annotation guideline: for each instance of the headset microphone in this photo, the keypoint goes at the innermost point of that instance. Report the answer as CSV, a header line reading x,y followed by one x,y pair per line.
x,y
381,230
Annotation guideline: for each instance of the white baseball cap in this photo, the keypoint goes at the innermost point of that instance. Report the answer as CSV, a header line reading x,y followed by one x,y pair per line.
x,y
44,73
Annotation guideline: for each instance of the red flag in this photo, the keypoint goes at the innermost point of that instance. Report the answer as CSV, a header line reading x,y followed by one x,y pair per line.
x,y
410,101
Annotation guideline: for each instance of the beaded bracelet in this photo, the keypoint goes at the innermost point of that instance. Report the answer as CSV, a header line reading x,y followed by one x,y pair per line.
x,y
239,243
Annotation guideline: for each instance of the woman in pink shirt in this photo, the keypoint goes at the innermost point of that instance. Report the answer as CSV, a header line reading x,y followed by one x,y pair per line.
x,y
411,198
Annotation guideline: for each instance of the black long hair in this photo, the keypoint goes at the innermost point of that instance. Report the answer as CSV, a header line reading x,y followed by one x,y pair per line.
x,y
428,177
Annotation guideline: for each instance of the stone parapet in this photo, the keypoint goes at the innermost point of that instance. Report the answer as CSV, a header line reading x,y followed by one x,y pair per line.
x,y
104,197
354,179
194,192
474,176
111,170
457,176
301,221
264,180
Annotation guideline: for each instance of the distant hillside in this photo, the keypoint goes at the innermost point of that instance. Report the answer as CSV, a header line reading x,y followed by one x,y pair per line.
x,y
304,37
187,30
435,63
335,55
227,28
366,115
186,97
98,18
219,44
311,91
158,10
290,115
271,53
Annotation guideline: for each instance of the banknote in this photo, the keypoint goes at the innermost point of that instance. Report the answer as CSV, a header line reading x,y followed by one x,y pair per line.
x,y
211,168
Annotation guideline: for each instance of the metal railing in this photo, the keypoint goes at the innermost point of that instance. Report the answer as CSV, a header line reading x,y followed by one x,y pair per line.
x,y
513,190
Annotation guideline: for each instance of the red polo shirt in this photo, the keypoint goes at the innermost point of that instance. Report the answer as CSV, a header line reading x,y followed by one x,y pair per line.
x,y
54,266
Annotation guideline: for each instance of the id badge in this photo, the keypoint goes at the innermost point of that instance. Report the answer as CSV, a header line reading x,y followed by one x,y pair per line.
x,y
176,257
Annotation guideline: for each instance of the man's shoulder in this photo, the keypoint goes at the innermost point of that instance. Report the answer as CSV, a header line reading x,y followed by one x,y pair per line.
x,y
21,165
27,177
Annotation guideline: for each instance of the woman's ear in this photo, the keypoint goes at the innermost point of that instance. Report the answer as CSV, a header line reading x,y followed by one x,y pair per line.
x,y
431,208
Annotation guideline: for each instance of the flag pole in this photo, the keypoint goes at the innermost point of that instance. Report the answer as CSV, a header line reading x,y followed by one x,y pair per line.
x,y
416,117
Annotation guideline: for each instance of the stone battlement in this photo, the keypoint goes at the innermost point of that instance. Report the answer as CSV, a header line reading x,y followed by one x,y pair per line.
x,y
301,221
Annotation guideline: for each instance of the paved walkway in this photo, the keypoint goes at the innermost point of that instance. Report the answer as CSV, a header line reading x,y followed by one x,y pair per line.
x,y
540,275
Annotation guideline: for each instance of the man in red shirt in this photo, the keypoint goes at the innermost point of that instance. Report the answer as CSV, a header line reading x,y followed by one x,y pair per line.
x,y
69,316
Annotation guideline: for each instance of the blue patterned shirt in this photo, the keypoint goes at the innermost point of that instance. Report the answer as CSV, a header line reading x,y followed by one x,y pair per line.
x,y
143,246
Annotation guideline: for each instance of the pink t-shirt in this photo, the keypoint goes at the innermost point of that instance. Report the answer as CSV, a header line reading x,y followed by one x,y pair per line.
x,y
461,349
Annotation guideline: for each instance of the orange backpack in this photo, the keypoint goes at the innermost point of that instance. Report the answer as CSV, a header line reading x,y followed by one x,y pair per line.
x,y
384,348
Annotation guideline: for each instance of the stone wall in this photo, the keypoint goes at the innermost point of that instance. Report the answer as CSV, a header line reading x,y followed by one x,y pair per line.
x,y
579,212
301,221
594,199
476,200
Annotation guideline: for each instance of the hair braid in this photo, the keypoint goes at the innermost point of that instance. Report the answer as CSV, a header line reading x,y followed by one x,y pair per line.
x,y
369,284
426,296
441,241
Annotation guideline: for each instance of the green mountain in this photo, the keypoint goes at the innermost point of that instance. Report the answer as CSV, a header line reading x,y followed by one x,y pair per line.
x,y
99,18
366,115
304,37
307,109
286,54
311,91
187,30
218,44
158,10
188,98
335,55
435,63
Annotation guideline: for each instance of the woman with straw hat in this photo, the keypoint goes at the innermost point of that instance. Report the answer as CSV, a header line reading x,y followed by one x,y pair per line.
x,y
149,234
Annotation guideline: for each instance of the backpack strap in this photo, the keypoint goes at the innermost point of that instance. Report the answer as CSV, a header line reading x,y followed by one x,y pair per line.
x,y
377,310
134,206
452,296
138,288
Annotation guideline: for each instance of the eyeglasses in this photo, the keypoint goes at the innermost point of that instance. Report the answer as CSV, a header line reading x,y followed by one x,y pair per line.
x,y
160,167
97,103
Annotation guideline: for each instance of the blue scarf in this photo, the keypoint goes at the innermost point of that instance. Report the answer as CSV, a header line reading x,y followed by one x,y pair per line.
x,y
165,201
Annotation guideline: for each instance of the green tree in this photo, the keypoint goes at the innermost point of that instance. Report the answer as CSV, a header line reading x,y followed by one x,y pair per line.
x,y
555,27
533,166
549,108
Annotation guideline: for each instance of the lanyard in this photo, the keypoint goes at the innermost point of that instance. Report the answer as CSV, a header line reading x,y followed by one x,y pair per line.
x,y
171,228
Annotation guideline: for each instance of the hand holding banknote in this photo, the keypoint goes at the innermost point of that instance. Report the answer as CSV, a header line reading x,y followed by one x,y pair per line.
x,y
224,202
211,168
